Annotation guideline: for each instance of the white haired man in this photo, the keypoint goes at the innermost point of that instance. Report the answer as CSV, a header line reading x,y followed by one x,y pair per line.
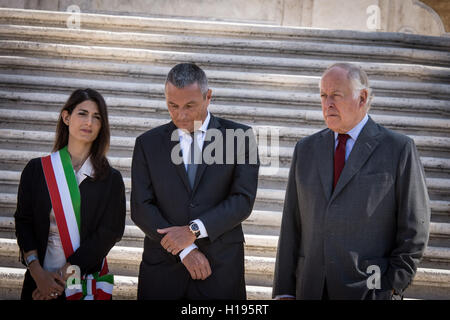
x,y
356,214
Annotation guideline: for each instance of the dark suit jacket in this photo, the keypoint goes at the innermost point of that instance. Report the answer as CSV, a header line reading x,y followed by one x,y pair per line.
x,y
103,210
222,197
378,214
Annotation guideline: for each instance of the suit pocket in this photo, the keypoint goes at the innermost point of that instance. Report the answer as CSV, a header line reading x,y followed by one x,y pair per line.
x,y
374,192
378,178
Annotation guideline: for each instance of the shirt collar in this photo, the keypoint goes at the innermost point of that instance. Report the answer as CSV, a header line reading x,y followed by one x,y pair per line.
x,y
354,133
86,170
203,128
205,124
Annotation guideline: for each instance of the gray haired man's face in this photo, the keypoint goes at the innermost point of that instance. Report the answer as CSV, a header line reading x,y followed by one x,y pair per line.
x,y
341,109
187,105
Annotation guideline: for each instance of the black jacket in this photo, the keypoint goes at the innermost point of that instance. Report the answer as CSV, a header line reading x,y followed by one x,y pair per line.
x,y
103,210
222,197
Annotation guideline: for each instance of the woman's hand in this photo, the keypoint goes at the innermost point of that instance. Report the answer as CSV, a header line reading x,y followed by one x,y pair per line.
x,y
49,284
37,295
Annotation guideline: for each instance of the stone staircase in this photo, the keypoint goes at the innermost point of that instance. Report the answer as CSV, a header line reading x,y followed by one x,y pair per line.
x,y
264,76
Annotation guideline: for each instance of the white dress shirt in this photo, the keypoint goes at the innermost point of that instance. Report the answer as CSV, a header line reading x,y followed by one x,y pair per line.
x,y
54,255
353,133
185,143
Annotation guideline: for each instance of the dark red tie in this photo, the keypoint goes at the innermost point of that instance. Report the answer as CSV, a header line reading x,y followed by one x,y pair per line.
x,y
339,157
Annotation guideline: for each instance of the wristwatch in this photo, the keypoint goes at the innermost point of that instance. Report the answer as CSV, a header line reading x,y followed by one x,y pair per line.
x,y
30,259
194,229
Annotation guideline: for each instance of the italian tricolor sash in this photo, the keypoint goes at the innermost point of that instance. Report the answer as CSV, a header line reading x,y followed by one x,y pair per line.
x,y
66,201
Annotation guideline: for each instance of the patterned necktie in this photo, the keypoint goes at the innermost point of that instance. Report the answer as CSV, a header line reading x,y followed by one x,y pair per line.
x,y
339,157
194,153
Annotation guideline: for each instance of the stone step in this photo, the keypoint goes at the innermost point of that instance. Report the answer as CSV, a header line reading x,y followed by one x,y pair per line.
x,y
260,245
216,78
244,113
264,222
21,157
124,261
266,176
277,196
267,222
435,185
125,288
249,46
219,61
264,195
288,135
269,176
139,89
230,29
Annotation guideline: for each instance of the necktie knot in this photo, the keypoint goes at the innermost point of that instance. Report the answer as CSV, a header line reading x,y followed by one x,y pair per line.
x,y
343,137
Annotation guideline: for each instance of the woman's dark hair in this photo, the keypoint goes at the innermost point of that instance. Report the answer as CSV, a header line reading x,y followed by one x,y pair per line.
x,y
100,146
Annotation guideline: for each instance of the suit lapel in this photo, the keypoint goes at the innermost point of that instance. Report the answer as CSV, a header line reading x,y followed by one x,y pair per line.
x,y
213,124
364,146
181,170
324,156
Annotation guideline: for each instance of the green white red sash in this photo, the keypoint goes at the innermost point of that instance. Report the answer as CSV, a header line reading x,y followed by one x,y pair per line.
x,y
66,201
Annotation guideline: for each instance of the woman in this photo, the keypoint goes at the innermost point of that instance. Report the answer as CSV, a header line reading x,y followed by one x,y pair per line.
x,y
71,207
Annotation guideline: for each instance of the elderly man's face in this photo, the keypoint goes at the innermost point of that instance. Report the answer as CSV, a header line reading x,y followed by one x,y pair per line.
x,y
187,105
341,110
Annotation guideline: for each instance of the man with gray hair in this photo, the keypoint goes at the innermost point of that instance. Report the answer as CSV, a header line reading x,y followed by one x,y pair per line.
x,y
190,209
356,213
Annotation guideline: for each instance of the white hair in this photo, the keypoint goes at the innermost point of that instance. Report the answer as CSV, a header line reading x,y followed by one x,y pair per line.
x,y
358,79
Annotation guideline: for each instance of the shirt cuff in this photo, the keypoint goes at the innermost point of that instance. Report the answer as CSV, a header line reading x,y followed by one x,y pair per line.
x,y
186,251
201,226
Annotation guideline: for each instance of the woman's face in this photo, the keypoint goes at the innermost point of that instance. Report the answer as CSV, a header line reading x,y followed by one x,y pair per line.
x,y
84,123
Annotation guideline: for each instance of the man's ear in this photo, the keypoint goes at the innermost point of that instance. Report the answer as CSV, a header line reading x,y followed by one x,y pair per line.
x,y
209,94
65,117
363,97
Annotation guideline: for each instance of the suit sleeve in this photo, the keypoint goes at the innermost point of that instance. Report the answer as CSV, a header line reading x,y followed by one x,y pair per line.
x,y
238,205
97,246
284,282
24,212
413,217
144,213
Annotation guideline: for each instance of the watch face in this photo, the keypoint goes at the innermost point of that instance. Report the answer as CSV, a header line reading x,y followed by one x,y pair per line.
x,y
194,227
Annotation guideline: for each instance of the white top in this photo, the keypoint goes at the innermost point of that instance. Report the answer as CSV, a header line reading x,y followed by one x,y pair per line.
x,y
54,255
185,143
